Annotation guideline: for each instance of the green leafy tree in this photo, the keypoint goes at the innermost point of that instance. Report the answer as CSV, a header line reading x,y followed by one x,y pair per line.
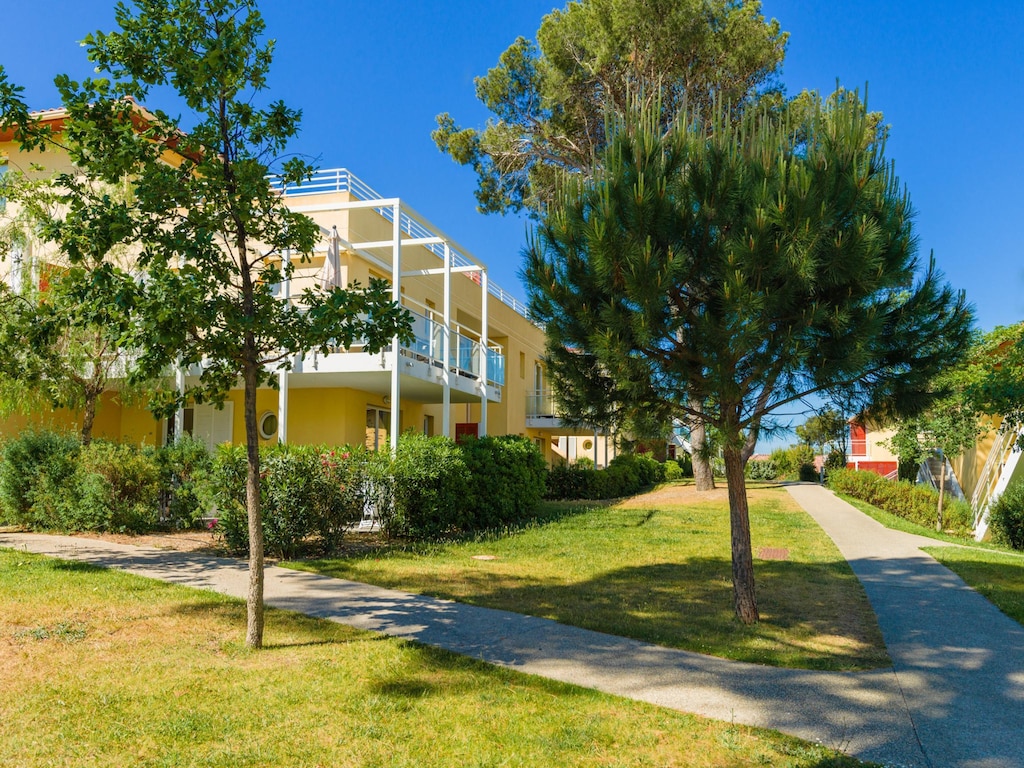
x,y
727,275
62,340
944,431
209,231
825,429
549,97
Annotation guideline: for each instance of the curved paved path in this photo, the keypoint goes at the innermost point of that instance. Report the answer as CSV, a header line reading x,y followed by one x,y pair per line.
x,y
954,697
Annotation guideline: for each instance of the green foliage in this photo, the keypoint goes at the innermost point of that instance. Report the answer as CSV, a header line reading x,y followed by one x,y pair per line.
x,y
308,494
31,461
181,464
48,481
431,482
625,475
911,502
762,470
823,430
549,99
836,459
807,473
673,472
507,480
1006,517
789,460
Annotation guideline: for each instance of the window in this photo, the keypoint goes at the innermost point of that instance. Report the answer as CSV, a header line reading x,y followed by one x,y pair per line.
x,y
268,425
858,440
522,365
378,421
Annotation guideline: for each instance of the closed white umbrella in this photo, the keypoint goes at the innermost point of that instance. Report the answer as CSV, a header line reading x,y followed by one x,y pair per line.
x,y
330,272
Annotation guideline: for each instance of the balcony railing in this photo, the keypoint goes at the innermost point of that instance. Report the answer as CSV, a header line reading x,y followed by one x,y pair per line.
x,y
540,403
343,180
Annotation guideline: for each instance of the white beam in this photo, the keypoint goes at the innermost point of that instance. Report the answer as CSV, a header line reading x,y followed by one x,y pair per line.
x,y
396,296
446,336
484,351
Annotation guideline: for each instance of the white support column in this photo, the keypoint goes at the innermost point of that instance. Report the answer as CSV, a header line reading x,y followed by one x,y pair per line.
x,y
282,388
446,337
596,465
396,296
179,415
483,361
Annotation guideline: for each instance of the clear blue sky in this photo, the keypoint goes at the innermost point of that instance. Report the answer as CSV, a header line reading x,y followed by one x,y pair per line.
x,y
371,76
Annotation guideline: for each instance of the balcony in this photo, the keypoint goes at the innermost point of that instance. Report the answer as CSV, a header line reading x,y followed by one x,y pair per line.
x,y
542,415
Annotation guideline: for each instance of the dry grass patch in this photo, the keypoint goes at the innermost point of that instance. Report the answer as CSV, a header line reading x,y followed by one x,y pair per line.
x,y
656,567
101,668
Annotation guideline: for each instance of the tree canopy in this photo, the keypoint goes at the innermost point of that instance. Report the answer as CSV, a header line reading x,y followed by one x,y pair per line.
x,y
726,274
209,233
549,98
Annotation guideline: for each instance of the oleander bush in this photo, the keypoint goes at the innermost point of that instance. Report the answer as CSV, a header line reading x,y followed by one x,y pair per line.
x,y
309,495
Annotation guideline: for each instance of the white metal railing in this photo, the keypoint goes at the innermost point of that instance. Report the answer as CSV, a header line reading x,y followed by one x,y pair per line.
x,y
342,180
995,474
926,476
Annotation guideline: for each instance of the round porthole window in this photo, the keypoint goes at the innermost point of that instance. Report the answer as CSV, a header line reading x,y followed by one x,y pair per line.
x,y
268,425
588,445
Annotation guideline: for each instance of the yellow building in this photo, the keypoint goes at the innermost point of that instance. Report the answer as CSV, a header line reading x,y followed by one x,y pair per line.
x,y
475,366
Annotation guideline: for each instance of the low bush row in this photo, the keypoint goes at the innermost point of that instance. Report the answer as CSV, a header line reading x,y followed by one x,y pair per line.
x,y
309,494
625,475
915,503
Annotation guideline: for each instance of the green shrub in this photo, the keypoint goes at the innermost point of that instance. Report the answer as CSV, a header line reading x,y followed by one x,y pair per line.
x,y
762,470
431,483
835,460
808,473
915,503
625,475
49,481
35,462
673,472
685,463
584,462
181,464
1006,517
507,477
308,495
119,489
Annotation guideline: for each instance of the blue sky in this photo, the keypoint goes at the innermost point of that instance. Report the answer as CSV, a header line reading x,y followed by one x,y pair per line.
x,y
370,77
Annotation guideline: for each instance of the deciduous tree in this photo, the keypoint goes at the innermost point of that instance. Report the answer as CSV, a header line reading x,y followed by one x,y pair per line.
x,y
210,233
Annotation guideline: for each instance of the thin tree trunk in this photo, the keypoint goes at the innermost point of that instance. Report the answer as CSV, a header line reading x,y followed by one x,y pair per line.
x,y
942,492
703,476
744,598
88,418
254,598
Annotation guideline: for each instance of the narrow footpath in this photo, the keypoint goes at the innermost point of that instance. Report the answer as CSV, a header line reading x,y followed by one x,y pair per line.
x,y
954,697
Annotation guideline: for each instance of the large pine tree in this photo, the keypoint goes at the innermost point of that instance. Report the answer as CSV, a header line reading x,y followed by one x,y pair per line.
x,y
725,276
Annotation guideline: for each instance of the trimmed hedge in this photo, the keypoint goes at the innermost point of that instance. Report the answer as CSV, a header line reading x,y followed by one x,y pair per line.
x,y
625,475
915,503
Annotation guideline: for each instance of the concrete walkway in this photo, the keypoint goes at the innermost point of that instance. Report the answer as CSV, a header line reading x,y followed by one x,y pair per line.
x,y
955,696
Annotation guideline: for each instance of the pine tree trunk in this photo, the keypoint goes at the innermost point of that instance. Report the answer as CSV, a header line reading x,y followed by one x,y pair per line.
x,y
703,476
744,598
254,598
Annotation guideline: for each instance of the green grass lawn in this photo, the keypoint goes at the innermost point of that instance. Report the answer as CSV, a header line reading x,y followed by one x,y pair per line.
x,y
101,668
655,568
